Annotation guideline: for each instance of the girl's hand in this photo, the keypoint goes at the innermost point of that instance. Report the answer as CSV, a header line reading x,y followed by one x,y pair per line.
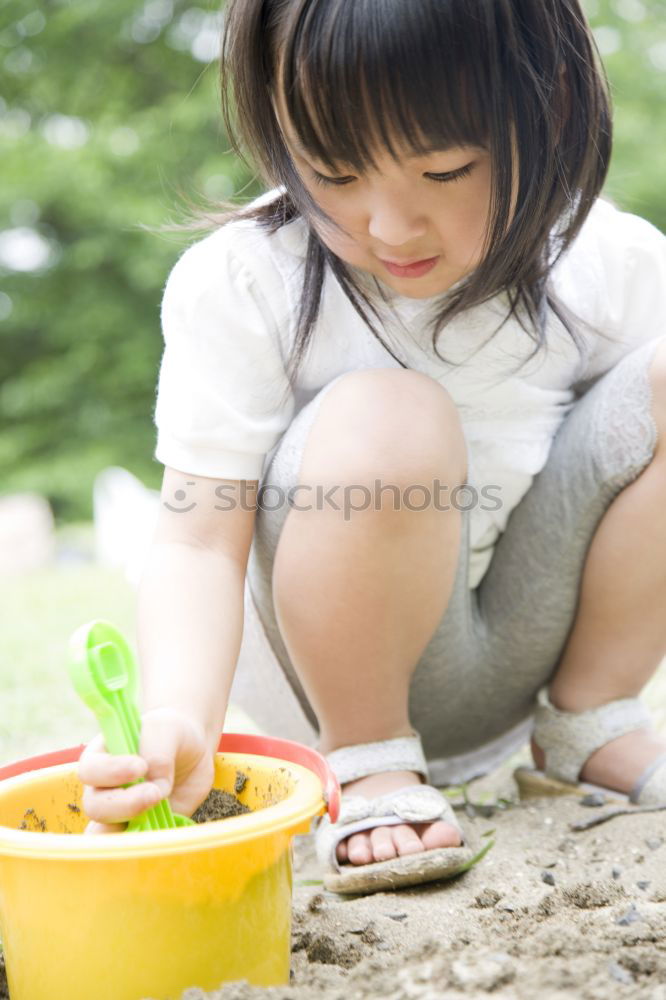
x,y
174,759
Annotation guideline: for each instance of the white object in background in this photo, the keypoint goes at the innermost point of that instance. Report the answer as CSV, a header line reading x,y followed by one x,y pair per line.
x,y
125,515
27,540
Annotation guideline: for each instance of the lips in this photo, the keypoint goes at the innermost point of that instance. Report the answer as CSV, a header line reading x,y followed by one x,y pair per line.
x,y
406,263
414,270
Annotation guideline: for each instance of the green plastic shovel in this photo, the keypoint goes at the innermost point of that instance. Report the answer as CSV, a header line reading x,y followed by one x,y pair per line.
x,y
105,676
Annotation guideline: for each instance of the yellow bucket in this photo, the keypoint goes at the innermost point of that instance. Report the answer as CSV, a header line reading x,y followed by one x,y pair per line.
x,y
148,914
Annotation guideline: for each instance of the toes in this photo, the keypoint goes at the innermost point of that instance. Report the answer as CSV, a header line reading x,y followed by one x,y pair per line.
x,y
358,849
364,848
383,845
440,834
406,840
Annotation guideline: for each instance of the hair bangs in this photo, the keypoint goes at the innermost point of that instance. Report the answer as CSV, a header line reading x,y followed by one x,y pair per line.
x,y
352,86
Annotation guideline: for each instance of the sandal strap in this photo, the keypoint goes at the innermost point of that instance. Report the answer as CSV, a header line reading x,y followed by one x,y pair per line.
x,y
569,738
405,753
650,789
412,804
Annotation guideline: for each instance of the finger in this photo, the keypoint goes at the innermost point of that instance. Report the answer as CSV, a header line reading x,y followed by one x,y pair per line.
x,y
94,746
94,827
159,747
118,805
109,770
98,767
186,798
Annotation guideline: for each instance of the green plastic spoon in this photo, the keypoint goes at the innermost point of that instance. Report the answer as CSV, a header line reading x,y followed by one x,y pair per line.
x,y
104,674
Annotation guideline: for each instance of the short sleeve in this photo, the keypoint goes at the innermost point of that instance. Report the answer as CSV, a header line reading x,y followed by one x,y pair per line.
x,y
629,297
223,398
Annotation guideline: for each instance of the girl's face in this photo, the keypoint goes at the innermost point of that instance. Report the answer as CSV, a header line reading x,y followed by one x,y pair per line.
x,y
421,207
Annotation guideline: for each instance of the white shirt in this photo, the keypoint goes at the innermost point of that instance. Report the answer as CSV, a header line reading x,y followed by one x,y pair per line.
x,y
229,315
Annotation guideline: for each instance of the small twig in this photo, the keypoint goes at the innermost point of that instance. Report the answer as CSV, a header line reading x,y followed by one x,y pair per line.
x,y
611,814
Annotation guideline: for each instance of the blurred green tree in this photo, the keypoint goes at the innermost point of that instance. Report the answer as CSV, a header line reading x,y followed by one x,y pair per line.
x,y
631,37
108,111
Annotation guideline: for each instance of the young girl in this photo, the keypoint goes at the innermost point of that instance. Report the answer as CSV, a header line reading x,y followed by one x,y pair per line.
x,y
412,412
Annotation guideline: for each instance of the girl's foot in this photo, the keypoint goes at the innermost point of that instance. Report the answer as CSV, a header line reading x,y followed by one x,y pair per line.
x,y
618,764
386,842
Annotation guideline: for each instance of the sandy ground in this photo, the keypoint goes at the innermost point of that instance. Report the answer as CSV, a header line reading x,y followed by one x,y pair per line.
x,y
548,912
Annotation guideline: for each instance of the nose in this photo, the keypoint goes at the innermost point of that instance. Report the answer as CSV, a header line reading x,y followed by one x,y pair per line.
x,y
394,224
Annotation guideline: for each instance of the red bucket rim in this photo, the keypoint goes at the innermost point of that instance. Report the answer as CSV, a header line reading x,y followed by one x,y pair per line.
x,y
251,743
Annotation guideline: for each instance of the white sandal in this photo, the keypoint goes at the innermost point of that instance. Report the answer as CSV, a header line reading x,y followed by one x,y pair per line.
x,y
568,739
411,804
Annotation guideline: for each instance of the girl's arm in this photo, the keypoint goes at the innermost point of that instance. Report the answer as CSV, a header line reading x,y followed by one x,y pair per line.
x,y
190,600
189,630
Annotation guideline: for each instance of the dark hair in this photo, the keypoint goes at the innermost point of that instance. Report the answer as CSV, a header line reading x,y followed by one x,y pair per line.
x,y
459,72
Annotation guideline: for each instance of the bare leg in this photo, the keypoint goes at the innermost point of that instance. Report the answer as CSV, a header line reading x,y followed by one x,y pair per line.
x,y
619,635
357,600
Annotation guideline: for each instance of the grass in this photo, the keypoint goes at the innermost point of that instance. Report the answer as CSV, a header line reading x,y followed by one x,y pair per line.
x,y
39,611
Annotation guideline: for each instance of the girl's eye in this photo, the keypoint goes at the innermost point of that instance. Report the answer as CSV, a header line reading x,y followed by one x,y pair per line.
x,y
332,181
450,175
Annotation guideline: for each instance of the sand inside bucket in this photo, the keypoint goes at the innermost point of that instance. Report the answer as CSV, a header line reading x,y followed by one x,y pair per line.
x,y
217,805
222,805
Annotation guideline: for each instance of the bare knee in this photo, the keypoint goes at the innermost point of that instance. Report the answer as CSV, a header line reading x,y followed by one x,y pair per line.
x,y
386,421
